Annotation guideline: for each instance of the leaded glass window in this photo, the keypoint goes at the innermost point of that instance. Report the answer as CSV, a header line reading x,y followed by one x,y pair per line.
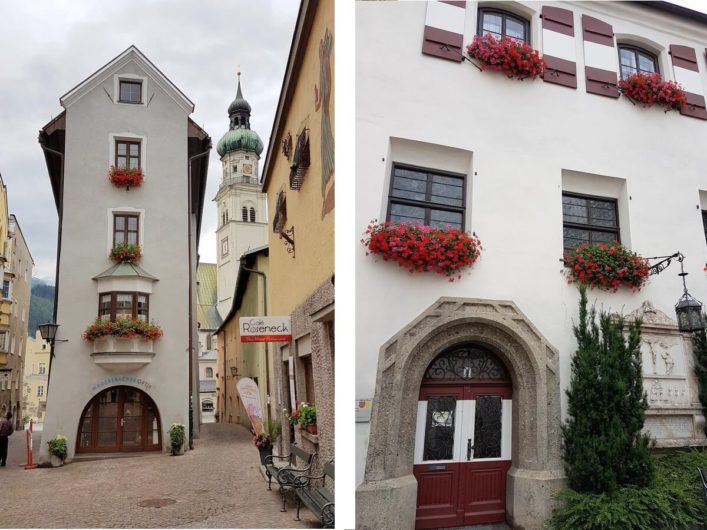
x,y
439,428
587,219
419,196
502,24
636,61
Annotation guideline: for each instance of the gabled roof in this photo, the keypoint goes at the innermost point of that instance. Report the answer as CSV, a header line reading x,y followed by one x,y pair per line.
x,y
130,54
125,269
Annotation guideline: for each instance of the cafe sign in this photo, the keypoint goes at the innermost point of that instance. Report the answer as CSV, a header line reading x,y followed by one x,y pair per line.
x,y
265,329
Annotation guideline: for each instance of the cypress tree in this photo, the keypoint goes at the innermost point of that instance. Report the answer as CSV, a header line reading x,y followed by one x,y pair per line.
x,y
699,346
604,447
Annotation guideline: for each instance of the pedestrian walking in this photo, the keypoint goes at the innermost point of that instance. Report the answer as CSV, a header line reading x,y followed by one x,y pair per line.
x,y
5,431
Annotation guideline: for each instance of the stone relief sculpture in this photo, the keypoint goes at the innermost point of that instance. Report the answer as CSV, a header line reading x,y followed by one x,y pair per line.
x,y
668,360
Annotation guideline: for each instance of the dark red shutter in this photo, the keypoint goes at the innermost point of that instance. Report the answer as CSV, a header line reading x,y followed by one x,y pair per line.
x,y
557,70
440,42
600,79
685,58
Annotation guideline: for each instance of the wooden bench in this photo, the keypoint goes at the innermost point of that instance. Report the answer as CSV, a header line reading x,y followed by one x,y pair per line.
x,y
703,476
319,499
286,470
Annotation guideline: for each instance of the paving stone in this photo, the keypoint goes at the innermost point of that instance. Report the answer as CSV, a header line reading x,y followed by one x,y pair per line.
x,y
217,485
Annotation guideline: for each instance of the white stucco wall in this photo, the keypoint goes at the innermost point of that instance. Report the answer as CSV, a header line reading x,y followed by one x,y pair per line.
x,y
88,195
519,143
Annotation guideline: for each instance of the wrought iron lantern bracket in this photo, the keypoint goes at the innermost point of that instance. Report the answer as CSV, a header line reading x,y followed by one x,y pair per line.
x,y
289,237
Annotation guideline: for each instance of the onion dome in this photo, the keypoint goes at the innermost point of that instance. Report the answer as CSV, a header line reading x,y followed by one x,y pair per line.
x,y
240,136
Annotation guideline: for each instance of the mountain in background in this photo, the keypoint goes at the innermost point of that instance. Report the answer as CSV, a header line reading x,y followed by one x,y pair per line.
x,y
41,307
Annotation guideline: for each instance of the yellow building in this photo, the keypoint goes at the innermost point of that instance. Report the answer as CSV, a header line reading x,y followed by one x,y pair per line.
x,y
298,177
35,377
237,359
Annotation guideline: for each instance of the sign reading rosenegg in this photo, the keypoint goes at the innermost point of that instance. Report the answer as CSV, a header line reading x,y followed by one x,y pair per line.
x,y
265,329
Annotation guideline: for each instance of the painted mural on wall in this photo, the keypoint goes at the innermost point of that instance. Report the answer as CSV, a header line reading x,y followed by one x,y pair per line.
x,y
322,98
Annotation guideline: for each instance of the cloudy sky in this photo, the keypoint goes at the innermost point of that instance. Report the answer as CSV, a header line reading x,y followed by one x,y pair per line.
x,y
48,46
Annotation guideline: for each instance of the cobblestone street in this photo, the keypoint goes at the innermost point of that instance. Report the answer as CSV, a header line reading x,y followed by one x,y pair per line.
x,y
218,485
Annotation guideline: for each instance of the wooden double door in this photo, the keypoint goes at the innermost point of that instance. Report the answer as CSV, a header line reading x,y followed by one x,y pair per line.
x,y
120,419
462,451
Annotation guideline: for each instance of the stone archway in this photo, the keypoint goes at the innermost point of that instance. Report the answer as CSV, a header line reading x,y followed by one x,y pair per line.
x,y
387,498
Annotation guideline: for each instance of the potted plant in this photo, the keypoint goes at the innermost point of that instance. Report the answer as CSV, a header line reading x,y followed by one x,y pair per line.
x,y
418,248
513,58
606,266
294,416
57,450
126,253
652,89
308,417
124,177
177,435
126,328
265,441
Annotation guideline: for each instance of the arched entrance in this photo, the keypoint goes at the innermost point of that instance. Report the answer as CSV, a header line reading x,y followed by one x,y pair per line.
x,y
388,496
121,418
463,439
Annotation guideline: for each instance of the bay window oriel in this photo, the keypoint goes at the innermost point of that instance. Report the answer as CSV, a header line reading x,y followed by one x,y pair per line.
x,y
123,305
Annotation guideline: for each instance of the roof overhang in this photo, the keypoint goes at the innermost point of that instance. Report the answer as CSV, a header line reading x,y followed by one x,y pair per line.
x,y
198,143
52,138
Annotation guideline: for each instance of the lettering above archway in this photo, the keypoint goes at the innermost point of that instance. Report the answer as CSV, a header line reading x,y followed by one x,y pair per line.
x,y
466,363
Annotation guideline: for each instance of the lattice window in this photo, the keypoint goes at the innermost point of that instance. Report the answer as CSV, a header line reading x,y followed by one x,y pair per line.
x,y
466,362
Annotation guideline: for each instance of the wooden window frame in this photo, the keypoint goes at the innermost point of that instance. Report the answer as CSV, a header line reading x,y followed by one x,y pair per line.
x,y
426,204
592,228
251,215
125,230
504,15
113,301
121,82
128,143
636,50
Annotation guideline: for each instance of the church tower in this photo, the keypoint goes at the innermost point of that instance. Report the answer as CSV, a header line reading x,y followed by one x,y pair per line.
x,y
242,207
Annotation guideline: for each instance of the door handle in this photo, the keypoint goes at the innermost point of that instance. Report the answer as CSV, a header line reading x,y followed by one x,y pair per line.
x,y
469,448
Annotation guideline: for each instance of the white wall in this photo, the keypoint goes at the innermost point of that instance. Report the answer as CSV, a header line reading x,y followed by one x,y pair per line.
x,y
518,143
87,197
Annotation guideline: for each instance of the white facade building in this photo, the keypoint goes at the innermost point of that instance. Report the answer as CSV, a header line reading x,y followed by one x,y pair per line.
x,y
113,395
241,206
517,151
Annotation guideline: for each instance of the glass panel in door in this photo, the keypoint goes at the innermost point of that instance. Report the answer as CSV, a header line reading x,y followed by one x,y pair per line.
x,y
487,427
439,428
132,420
107,428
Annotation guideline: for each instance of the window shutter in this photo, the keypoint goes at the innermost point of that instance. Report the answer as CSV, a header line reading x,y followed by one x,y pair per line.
x,y
687,73
558,47
444,30
600,63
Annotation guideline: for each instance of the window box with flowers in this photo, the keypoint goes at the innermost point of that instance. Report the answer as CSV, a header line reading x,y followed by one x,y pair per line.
x,y
419,248
123,177
126,253
513,58
652,89
123,344
606,266
305,415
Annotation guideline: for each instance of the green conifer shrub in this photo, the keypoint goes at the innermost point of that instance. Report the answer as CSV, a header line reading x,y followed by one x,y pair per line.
x,y
699,346
604,447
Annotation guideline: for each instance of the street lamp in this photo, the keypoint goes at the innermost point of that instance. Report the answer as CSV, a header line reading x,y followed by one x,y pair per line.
x,y
688,309
48,332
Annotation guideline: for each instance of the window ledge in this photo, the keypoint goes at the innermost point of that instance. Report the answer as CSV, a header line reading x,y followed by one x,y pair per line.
x,y
314,438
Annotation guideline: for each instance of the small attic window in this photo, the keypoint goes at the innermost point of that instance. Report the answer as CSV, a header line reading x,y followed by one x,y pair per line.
x,y
130,91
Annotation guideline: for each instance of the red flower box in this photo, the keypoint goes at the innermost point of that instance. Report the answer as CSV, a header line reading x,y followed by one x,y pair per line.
x,y
513,58
418,248
125,178
651,89
126,253
124,328
606,267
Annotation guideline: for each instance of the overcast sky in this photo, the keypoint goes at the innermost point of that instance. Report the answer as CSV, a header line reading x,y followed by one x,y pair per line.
x,y
48,46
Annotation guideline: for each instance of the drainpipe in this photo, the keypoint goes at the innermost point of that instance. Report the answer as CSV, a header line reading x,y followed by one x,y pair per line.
x,y
58,248
265,310
191,316
223,411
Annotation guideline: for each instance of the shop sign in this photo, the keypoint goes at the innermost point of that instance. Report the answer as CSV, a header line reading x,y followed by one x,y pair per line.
x,y
265,329
363,410
116,380
250,396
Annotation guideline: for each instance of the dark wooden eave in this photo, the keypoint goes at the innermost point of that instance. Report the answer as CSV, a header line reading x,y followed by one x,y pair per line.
x,y
53,136
198,141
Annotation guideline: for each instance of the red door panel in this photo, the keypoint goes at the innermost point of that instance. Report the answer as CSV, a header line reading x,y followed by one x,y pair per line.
x,y
483,491
437,495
